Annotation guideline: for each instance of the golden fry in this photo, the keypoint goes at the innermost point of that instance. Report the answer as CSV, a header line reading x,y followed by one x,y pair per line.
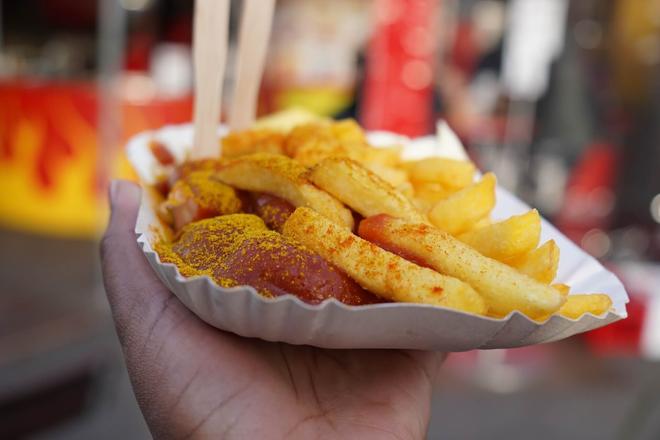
x,y
389,157
486,221
450,173
311,143
577,305
393,176
348,131
507,239
252,141
406,189
503,288
361,189
284,178
458,212
540,263
286,120
381,272
425,198
431,192
305,134
564,289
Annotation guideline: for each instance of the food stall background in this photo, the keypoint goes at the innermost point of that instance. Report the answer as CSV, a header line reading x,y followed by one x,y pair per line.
x,y
560,98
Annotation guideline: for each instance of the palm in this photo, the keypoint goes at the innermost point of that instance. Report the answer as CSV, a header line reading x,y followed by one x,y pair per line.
x,y
193,380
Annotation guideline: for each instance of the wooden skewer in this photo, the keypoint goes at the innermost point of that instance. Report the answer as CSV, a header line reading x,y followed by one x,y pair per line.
x,y
255,28
209,57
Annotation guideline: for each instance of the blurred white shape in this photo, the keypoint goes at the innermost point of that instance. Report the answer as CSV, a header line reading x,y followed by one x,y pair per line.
x,y
444,144
135,5
488,17
650,339
450,145
655,208
596,242
535,37
551,177
484,92
171,69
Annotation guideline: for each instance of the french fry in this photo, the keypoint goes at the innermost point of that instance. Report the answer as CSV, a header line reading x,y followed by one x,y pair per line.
x,y
301,134
427,195
361,189
431,192
283,177
389,157
348,131
458,212
310,143
503,288
406,189
486,221
564,289
421,205
383,273
451,173
393,176
577,305
252,141
312,134
286,120
507,239
540,263
312,153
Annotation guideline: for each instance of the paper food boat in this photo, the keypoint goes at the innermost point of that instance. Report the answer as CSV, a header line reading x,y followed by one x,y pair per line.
x,y
332,324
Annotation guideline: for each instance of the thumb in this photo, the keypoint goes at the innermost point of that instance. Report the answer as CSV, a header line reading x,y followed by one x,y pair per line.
x,y
136,295
124,205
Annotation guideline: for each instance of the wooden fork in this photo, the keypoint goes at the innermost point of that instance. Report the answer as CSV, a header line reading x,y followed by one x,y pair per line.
x,y
209,58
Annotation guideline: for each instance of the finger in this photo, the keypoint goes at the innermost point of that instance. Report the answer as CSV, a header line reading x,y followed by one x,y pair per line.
x,y
137,297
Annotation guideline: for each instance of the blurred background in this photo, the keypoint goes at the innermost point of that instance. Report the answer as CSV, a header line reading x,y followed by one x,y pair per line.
x,y
560,98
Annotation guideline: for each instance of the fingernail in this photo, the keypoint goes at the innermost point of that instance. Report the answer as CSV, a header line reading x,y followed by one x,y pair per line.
x,y
124,193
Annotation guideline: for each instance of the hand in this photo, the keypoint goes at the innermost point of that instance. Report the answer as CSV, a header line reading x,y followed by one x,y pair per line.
x,y
194,381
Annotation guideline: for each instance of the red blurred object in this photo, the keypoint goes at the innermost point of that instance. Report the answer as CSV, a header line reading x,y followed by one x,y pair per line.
x,y
622,337
398,88
589,195
72,13
464,51
138,51
180,29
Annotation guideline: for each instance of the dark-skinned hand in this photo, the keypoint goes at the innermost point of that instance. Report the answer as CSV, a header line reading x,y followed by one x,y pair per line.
x,y
194,381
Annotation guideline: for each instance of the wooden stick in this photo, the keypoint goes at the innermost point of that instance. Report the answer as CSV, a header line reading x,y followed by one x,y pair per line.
x,y
253,42
209,56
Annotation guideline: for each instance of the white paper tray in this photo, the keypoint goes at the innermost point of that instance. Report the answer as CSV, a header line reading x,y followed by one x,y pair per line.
x,y
243,311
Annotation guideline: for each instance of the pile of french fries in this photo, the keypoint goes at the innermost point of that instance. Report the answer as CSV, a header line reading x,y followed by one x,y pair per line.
x,y
435,212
